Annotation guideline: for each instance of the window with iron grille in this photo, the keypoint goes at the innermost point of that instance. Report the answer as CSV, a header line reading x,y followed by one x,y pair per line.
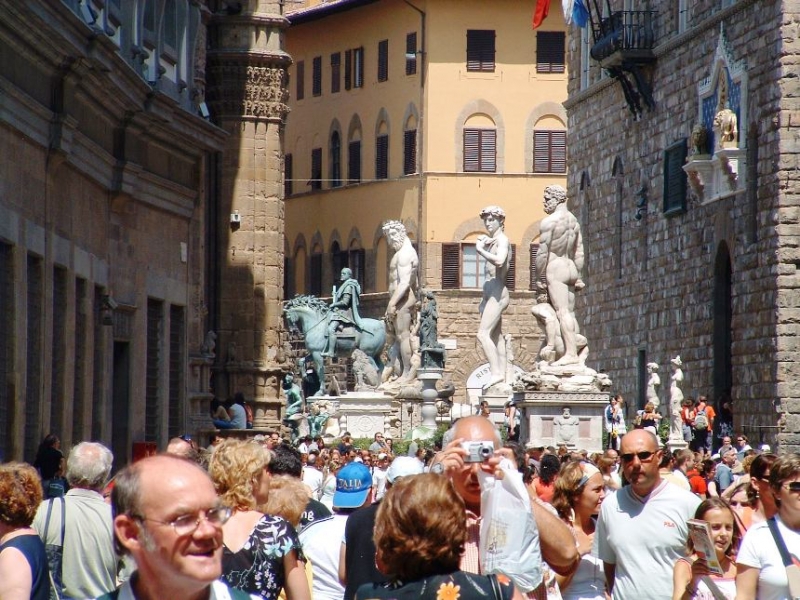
x,y
382,157
316,169
155,331
301,80
480,150
675,178
316,76
175,401
354,162
464,268
409,151
383,60
411,53
336,160
480,50
549,151
315,275
550,51
288,175
336,72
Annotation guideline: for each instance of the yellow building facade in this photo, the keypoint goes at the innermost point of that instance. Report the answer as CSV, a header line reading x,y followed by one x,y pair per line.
x,y
424,112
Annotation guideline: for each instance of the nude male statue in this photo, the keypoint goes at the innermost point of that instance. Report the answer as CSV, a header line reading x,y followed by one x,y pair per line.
x,y
560,258
403,278
496,249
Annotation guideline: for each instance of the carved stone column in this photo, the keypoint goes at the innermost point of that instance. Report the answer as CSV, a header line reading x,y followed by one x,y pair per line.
x,y
246,95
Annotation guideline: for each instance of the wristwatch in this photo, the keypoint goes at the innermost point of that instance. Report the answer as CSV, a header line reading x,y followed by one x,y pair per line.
x,y
437,468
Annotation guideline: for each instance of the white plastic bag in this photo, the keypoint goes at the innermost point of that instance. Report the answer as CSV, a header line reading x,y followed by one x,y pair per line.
x,y
509,542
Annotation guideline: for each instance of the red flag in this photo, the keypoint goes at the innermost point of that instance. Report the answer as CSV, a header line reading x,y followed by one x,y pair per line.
x,y
540,12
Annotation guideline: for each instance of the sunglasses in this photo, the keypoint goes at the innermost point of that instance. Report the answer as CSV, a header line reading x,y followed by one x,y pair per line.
x,y
645,456
792,486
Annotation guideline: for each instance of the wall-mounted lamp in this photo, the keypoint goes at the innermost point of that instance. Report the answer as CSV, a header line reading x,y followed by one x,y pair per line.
x,y
107,307
641,203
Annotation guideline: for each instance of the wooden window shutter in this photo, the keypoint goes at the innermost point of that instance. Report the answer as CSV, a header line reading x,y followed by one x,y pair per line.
x,y
316,169
288,175
488,150
471,150
451,266
534,250
348,69
550,51
409,151
558,151
675,177
549,151
336,72
382,157
358,67
411,48
480,50
301,79
354,162
383,60
316,83
511,276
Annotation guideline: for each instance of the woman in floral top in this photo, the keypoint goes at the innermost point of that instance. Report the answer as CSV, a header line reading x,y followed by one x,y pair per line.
x,y
420,532
261,553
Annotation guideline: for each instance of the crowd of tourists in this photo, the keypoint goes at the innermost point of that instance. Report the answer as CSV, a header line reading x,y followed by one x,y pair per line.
x,y
269,519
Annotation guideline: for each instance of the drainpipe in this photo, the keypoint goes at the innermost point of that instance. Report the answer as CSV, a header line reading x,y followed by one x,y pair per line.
x,y
421,235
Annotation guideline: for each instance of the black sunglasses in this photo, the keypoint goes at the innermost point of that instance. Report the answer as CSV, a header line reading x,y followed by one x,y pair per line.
x,y
792,486
642,456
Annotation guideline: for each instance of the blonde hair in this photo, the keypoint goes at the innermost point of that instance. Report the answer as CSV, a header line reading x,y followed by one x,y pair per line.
x,y
235,467
288,497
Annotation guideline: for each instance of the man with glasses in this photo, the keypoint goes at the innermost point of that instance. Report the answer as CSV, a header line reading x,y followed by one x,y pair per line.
x,y
642,529
167,516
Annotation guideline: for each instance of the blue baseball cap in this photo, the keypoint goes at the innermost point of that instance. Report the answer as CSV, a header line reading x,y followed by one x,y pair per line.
x,y
353,483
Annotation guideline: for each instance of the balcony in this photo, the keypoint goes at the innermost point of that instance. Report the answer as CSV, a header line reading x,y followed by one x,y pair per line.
x,y
625,37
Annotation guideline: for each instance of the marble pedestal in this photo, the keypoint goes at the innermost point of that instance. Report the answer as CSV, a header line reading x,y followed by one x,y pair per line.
x,y
365,413
539,408
675,444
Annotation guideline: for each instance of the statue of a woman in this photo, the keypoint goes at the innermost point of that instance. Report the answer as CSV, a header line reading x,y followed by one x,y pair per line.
x,y
675,399
653,383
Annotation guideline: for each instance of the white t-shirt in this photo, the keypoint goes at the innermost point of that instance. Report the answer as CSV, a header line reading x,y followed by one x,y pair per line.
x,y
312,477
379,482
322,542
759,550
644,539
589,582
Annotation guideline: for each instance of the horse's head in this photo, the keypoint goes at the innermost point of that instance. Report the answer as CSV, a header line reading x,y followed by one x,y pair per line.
x,y
304,311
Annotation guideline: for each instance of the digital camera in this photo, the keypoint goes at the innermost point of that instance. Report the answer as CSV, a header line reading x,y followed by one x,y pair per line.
x,y
478,451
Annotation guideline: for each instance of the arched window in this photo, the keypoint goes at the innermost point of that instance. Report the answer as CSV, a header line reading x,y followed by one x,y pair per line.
x,y
410,146
480,144
549,146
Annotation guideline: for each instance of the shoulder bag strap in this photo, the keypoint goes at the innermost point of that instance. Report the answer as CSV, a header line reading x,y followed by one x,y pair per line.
x,y
713,588
498,593
47,520
776,535
63,519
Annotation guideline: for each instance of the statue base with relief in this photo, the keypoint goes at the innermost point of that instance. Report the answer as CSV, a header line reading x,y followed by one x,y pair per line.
x,y
543,411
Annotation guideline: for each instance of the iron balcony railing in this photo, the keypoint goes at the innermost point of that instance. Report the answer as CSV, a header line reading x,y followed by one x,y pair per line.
x,y
630,32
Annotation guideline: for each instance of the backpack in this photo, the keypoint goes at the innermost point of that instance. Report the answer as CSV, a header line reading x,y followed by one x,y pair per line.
x,y
701,421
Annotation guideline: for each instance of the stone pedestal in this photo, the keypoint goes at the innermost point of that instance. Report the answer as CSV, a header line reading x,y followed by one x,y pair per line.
x,y
365,413
539,408
675,444
428,411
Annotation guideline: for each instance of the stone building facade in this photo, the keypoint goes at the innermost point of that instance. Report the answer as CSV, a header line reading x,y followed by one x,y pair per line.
x,y
692,243
119,162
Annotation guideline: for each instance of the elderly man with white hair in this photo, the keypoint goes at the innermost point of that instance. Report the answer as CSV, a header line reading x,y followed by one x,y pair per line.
x,y
82,524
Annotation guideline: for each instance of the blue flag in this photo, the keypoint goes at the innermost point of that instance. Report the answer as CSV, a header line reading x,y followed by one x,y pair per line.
x,y
575,11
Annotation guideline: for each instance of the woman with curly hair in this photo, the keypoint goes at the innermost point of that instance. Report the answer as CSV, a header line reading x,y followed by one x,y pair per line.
x,y
579,492
23,562
690,576
420,531
261,554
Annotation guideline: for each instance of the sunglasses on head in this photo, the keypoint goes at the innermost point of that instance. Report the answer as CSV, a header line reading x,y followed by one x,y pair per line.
x,y
642,456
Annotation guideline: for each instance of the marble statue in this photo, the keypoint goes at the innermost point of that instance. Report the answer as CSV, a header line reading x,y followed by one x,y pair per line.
x,y
364,371
698,142
726,129
209,345
344,309
496,249
553,344
560,259
432,352
676,399
400,312
653,383
565,428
